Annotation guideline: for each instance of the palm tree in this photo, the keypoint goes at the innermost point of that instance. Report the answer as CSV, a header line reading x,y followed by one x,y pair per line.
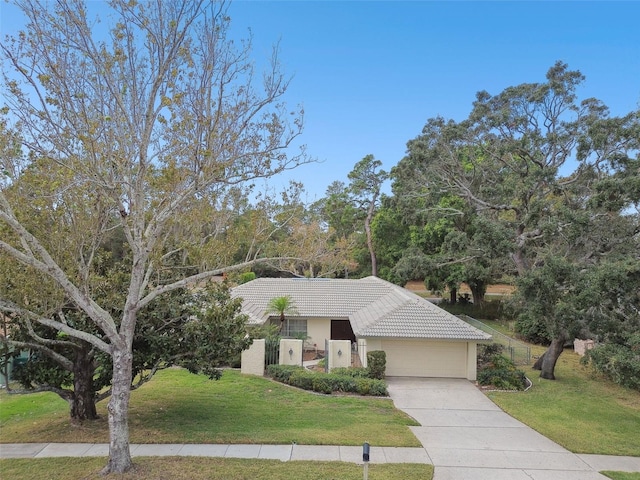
x,y
281,306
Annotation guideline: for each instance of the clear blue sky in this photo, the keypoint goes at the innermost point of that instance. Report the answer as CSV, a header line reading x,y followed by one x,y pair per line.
x,y
370,73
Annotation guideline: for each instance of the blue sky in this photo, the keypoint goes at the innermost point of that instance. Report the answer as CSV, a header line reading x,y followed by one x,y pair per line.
x,y
370,73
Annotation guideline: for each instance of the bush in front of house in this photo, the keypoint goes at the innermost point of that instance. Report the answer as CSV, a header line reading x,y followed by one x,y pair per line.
x,y
377,364
326,383
355,372
282,373
371,386
497,370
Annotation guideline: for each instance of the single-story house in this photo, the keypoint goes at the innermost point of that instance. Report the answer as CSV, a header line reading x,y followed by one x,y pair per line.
x,y
420,339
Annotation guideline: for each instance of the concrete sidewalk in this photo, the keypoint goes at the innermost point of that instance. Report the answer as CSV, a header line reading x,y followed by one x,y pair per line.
x,y
467,436
302,452
464,435
273,452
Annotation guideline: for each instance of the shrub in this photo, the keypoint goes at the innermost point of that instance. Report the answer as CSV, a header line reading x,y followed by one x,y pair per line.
x,y
533,330
371,386
486,353
322,384
377,364
246,277
302,379
500,372
620,363
354,372
327,383
282,373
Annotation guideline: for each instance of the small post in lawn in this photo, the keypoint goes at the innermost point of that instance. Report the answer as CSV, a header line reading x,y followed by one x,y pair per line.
x,y
365,459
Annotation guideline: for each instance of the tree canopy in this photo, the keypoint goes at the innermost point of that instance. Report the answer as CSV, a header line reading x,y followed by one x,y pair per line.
x,y
146,124
547,179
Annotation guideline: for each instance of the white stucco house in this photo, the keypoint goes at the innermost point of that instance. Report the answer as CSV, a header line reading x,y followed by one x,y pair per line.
x,y
420,339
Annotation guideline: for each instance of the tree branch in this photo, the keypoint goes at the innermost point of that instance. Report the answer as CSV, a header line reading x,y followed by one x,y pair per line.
x,y
10,307
204,276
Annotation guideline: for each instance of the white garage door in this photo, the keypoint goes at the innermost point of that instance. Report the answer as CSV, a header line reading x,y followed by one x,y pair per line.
x,y
422,358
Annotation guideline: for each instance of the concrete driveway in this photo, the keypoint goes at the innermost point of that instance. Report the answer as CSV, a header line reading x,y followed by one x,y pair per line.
x,y
468,437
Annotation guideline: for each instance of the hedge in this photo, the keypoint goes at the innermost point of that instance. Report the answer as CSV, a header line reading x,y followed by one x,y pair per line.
x,y
347,382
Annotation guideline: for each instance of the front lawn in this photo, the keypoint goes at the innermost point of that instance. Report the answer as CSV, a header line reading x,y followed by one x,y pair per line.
x,y
580,410
178,407
622,475
197,468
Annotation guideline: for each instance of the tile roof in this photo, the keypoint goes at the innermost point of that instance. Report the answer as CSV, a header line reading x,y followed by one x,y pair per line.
x,y
374,307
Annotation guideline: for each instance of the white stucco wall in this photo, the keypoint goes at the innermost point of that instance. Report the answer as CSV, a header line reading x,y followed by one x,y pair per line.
x,y
252,359
290,351
339,354
472,360
318,329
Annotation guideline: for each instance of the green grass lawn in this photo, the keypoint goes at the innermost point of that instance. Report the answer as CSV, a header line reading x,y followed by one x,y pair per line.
x,y
622,475
177,407
197,468
581,411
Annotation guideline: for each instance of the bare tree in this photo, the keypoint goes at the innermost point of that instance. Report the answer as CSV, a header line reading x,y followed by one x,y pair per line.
x,y
130,127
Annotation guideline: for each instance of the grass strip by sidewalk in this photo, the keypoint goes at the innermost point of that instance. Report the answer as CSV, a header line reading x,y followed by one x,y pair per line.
x,y
622,475
580,410
197,468
178,407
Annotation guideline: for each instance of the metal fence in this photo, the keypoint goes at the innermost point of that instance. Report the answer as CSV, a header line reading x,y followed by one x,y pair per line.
x,y
271,351
518,352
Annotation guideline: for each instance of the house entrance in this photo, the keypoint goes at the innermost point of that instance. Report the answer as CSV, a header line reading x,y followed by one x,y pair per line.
x,y
341,330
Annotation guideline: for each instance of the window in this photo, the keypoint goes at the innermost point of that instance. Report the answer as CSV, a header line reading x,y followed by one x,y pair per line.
x,y
296,328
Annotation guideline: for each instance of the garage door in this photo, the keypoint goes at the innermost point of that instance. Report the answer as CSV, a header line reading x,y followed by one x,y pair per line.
x,y
421,358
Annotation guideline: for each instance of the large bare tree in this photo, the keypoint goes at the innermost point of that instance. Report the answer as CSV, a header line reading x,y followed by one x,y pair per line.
x,y
135,124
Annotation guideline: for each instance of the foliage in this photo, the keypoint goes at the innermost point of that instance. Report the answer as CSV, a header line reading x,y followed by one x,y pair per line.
x,y
487,351
246,277
340,380
488,310
496,370
282,306
377,363
282,373
200,332
355,372
366,181
155,124
216,333
620,362
533,182
501,373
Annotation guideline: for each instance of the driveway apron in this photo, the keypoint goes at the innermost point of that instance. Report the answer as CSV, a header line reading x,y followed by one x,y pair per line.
x,y
468,437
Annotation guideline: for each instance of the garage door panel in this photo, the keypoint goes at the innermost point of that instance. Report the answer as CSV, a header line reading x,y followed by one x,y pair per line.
x,y
419,358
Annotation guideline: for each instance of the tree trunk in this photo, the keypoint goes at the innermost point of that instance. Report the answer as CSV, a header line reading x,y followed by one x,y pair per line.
x,y
83,401
119,452
547,362
518,256
372,253
478,289
453,296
